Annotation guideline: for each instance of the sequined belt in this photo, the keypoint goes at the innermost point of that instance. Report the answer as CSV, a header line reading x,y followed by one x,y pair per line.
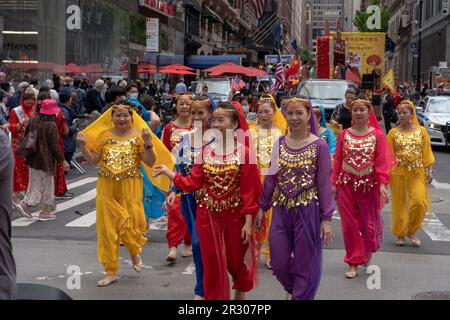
x,y
304,198
231,202
132,173
359,173
366,182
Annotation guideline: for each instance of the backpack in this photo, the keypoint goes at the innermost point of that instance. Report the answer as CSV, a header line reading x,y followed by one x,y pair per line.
x,y
28,146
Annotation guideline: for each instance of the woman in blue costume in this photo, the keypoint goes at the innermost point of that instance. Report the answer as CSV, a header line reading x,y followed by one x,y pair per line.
x,y
153,197
189,149
323,131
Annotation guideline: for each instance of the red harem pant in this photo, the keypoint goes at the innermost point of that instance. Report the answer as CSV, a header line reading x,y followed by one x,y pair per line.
x,y
60,176
176,226
362,224
21,174
222,252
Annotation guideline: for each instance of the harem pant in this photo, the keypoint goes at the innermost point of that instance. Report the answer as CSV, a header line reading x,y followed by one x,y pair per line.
x,y
188,206
223,252
176,226
409,202
120,218
362,224
60,180
296,250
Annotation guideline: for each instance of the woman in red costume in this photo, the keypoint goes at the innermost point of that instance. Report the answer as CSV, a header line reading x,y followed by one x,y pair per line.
x,y
361,176
61,191
173,134
19,118
227,204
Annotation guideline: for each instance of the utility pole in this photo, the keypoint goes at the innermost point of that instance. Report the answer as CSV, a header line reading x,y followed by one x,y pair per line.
x,y
419,47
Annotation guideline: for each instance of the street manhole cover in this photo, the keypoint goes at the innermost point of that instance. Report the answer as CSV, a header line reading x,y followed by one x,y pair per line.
x,y
434,295
436,200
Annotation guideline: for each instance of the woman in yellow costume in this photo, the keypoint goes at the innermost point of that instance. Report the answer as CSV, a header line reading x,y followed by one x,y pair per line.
x,y
409,179
118,142
270,127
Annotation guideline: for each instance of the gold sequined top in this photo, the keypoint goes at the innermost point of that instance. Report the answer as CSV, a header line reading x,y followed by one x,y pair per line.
x,y
408,148
296,178
263,141
221,184
173,135
120,156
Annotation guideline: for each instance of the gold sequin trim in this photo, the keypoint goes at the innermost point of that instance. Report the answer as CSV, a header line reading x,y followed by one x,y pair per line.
x,y
408,148
303,199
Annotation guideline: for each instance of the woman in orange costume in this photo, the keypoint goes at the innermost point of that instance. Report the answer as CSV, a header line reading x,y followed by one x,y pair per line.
x,y
415,159
227,205
271,126
173,133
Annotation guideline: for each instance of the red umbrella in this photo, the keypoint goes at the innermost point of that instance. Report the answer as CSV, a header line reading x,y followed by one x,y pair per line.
x,y
146,68
256,72
229,68
175,71
178,67
73,68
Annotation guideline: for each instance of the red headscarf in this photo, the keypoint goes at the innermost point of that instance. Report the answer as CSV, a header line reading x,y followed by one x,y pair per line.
x,y
241,116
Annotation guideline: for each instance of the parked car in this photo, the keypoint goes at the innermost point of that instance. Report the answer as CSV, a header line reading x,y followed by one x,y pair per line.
x,y
218,88
434,114
327,93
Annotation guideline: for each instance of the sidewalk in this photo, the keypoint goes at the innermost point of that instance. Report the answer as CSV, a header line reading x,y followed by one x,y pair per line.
x,y
46,261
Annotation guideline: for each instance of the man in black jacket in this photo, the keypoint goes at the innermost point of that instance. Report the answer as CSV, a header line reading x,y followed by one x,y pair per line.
x,y
94,99
8,287
70,145
388,110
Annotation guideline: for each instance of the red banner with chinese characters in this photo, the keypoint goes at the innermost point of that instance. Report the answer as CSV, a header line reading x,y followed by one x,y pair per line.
x,y
323,57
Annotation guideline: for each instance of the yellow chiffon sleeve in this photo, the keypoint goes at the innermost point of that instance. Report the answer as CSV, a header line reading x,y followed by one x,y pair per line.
x,y
428,156
95,135
391,137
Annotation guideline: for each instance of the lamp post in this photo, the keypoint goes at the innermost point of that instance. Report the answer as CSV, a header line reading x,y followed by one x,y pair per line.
x,y
419,47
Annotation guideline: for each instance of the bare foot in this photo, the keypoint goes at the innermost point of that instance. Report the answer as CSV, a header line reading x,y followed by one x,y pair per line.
x,y
239,295
187,252
172,256
137,263
415,241
198,298
400,242
352,272
108,280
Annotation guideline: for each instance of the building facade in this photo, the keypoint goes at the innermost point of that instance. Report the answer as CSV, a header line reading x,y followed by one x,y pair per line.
x,y
94,37
322,11
435,36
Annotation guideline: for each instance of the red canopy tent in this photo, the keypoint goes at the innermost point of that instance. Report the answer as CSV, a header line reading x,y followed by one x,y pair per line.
x,y
228,68
178,67
256,72
175,71
73,68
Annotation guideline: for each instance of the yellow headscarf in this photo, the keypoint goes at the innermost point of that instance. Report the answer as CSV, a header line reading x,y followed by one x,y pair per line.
x,y
278,120
412,108
163,156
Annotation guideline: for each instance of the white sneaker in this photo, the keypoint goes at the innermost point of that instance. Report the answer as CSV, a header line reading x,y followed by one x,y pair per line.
x,y
21,209
46,217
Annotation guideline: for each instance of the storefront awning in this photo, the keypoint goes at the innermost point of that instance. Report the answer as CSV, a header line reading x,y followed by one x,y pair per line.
x,y
230,27
210,14
204,62
192,4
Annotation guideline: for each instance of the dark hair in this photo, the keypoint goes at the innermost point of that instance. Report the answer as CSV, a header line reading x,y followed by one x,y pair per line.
x,y
132,85
115,92
29,96
34,82
229,106
5,86
350,90
360,97
44,89
147,101
44,95
76,83
267,98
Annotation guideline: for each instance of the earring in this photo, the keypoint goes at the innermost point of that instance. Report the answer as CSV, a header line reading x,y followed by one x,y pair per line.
x,y
308,129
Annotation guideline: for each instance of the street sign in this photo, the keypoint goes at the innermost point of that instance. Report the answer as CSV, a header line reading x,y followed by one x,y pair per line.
x,y
445,7
413,46
152,35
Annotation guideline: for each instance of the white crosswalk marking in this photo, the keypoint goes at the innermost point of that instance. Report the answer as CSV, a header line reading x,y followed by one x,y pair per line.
x,y
86,221
436,230
81,182
88,196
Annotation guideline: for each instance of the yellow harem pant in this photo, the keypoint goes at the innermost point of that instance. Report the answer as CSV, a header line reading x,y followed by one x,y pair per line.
x,y
410,201
120,218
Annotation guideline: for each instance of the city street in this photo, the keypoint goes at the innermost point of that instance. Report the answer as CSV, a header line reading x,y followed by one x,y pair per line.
x,y
44,251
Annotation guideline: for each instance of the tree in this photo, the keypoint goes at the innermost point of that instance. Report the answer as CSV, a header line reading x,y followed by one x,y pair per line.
x,y
361,18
